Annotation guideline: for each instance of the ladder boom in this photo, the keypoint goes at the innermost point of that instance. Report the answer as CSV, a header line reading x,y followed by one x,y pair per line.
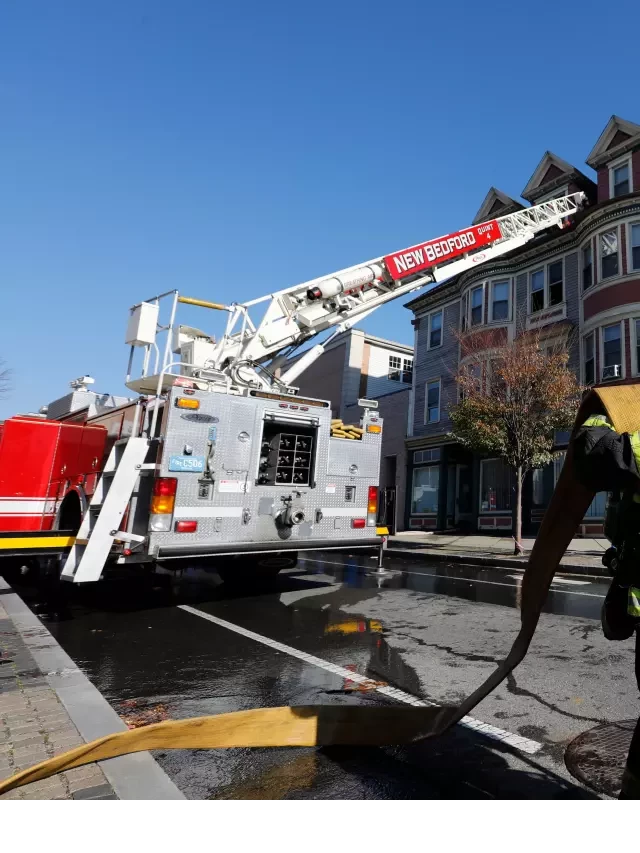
x,y
300,312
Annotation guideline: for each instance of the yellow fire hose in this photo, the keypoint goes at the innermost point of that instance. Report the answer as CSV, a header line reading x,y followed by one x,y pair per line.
x,y
329,725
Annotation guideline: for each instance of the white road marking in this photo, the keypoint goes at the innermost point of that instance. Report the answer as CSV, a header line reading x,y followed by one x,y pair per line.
x,y
522,743
451,578
558,580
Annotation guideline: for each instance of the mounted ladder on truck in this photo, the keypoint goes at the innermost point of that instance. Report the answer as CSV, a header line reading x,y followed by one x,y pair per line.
x,y
223,457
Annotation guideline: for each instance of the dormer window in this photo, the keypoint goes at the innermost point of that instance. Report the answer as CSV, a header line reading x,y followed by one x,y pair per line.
x,y
620,184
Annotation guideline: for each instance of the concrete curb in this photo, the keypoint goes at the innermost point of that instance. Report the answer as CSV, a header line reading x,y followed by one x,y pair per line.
x,y
415,553
133,777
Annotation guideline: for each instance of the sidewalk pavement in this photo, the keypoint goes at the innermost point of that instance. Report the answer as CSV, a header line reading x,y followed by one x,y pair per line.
x,y
583,556
48,706
34,725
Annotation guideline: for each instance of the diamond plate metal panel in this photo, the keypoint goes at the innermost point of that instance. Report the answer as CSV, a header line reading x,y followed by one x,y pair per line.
x,y
233,513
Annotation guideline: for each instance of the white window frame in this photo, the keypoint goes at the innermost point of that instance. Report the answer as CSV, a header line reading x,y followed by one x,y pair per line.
x,y
618,164
630,267
635,341
545,290
471,325
620,324
608,230
438,379
492,285
583,359
481,511
432,314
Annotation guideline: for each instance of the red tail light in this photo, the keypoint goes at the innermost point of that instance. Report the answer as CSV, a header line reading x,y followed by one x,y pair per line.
x,y
165,487
358,523
186,526
372,502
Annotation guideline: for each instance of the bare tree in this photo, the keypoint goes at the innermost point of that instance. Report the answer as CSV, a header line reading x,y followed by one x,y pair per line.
x,y
513,397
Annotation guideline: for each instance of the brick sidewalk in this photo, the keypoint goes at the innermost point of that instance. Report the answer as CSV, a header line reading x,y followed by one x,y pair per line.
x,y
34,725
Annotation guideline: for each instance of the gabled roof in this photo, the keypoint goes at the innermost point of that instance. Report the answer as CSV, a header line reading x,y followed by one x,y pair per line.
x,y
618,136
553,171
496,203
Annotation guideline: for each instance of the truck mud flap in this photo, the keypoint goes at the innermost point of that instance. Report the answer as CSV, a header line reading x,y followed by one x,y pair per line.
x,y
374,726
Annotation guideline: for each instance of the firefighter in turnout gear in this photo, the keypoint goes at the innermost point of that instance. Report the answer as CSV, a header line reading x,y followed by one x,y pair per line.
x,y
609,461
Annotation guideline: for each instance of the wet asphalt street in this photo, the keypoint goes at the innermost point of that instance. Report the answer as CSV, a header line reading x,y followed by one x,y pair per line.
x,y
430,629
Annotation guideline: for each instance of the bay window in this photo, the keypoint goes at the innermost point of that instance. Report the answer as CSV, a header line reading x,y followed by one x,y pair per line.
x,y
537,291
609,253
555,295
587,267
477,299
635,246
589,360
499,300
611,346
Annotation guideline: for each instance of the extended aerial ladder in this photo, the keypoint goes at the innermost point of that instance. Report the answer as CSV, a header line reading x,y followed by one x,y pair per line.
x,y
249,353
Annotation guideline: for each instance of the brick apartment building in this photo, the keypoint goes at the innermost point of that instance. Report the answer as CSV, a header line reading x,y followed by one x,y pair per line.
x,y
580,285
357,365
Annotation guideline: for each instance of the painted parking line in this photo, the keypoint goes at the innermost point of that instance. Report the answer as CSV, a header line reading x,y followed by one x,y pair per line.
x,y
451,578
522,744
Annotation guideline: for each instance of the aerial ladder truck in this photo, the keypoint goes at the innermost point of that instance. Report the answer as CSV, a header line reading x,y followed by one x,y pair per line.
x,y
218,460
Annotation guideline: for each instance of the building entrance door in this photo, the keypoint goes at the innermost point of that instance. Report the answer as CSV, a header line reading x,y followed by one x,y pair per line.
x,y
464,506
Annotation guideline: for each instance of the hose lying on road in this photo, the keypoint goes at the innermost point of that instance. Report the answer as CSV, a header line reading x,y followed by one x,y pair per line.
x,y
327,725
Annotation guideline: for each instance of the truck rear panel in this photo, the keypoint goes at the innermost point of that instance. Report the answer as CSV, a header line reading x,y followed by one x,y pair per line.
x,y
261,473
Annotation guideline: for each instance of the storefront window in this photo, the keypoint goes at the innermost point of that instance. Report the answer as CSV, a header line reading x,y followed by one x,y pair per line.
x,y
424,492
495,486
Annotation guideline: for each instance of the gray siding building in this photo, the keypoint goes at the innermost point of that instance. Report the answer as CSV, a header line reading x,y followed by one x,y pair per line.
x,y
580,287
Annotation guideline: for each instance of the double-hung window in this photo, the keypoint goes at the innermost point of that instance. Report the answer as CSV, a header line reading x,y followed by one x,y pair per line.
x,y
499,300
555,289
547,287
432,402
609,253
407,371
587,267
537,291
620,184
589,360
477,306
435,329
611,346
635,245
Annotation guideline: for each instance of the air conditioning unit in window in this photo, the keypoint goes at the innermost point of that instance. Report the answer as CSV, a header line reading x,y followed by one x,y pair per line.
x,y
611,372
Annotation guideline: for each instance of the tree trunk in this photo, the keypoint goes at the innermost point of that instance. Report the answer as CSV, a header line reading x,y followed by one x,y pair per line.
x,y
517,521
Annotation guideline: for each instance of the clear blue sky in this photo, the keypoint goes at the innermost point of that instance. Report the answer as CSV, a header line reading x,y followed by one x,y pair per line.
x,y
230,149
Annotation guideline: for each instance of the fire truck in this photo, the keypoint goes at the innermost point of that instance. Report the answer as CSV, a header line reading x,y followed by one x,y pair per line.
x,y
217,460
